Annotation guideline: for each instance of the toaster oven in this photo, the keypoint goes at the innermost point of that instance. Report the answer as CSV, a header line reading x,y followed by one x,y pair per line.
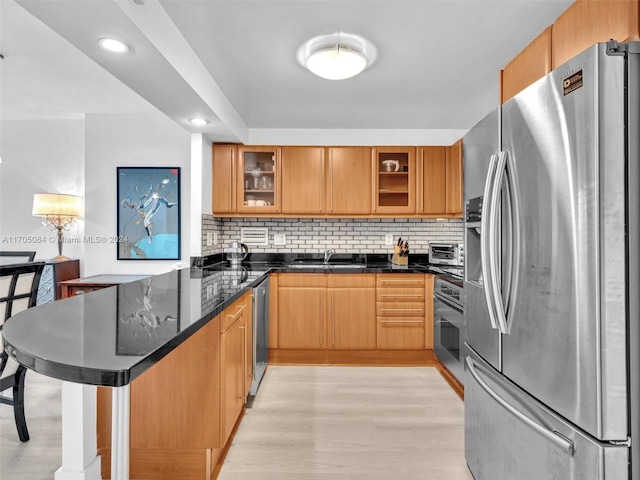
x,y
446,254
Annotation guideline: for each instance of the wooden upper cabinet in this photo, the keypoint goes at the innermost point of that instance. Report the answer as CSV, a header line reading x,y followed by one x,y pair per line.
x,y
303,179
531,64
394,180
587,22
349,180
432,180
258,179
224,189
454,179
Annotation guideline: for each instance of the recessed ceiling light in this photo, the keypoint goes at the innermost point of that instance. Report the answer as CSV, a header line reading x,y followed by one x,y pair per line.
x,y
113,45
198,121
336,56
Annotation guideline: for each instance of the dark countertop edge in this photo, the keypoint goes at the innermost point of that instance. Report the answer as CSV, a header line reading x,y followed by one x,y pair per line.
x,y
119,378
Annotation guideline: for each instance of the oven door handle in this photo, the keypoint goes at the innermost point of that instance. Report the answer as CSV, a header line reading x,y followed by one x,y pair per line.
x,y
449,303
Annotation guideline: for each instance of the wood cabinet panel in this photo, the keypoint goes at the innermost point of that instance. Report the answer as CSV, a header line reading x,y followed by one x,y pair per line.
x,y
531,64
400,309
352,318
303,171
348,280
175,404
349,180
394,191
432,180
400,294
224,172
258,179
454,179
587,22
428,311
232,360
400,280
401,333
302,280
301,317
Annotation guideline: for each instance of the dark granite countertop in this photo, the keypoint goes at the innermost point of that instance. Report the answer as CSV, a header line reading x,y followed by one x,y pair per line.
x,y
111,336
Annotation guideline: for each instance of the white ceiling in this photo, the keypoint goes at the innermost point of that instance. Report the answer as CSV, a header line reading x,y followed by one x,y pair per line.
x,y
234,61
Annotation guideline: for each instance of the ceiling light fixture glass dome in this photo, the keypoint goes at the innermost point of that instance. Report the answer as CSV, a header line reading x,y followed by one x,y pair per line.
x,y
337,62
336,56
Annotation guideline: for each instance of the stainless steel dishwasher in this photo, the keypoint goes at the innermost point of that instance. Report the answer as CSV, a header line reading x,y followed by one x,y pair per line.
x,y
260,333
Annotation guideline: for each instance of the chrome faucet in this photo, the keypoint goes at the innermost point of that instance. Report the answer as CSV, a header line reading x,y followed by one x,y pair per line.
x,y
327,254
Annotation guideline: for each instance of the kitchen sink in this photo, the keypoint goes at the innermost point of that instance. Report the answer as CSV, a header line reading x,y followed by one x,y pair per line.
x,y
327,266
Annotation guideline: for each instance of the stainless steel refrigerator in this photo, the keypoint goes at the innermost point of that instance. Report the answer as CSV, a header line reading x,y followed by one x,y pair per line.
x,y
552,276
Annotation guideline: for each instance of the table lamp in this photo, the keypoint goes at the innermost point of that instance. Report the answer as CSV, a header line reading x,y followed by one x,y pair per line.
x,y
59,212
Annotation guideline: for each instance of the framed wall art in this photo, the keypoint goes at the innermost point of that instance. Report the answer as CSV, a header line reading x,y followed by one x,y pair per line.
x,y
148,213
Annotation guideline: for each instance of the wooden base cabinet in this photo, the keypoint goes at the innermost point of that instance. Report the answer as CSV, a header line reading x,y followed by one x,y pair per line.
x,y
400,310
185,407
318,311
351,311
301,311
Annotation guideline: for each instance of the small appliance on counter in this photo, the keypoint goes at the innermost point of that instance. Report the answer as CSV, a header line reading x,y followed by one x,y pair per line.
x,y
236,253
446,254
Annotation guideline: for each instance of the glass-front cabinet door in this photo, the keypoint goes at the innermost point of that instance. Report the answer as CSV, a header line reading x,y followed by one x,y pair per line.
x,y
258,179
395,179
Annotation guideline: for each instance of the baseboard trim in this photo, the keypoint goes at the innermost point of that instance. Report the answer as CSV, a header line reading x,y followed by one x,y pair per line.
x,y
450,378
397,358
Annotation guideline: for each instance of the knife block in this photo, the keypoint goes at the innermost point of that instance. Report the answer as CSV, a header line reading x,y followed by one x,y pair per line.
x,y
396,259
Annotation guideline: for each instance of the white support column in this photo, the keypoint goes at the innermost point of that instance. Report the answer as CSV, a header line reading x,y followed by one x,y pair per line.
x,y
120,407
79,448
201,188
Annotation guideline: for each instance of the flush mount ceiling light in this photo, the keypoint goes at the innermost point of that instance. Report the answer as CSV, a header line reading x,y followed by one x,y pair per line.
x,y
198,121
113,45
336,56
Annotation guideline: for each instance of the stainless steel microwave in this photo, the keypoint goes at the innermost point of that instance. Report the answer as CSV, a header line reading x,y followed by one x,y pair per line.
x,y
446,254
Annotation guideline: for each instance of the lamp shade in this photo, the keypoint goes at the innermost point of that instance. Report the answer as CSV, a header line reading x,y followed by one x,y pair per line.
x,y
56,204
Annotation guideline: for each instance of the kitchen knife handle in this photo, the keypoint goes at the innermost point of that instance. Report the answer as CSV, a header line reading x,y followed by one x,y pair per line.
x,y
555,437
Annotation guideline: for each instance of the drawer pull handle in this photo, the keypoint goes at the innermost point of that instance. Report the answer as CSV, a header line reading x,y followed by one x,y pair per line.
x,y
403,295
402,309
240,309
401,321
419,282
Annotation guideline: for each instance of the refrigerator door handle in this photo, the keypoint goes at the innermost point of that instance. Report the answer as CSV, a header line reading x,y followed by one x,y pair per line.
x,y
501,318
554,437
485,228
513,269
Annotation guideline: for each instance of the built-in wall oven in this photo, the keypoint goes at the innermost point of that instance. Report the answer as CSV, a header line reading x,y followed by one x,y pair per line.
x,y
449,322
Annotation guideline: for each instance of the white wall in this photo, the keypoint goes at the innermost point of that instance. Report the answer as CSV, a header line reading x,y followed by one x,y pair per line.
x,y
136,140
201,187
39,156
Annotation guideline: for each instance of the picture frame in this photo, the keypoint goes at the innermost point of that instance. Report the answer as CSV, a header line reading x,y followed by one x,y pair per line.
x,y
148,314
148,220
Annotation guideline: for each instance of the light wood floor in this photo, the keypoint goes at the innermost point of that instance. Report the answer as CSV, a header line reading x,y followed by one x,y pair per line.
x,y
41,456
350,423
307,423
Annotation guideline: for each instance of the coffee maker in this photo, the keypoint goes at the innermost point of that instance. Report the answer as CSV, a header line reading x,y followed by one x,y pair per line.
x,y
236,252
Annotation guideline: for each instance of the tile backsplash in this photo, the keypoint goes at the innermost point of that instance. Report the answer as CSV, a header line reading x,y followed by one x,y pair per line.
x,y
346,235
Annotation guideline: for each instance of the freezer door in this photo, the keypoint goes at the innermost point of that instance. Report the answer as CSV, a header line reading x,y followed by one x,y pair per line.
x,y
478,146
508,436
567,341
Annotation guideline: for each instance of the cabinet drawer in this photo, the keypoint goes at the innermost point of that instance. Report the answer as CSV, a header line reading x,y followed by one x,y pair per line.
x,y
400,295
400,309
356,280
400,333
231,314
80,290
302,280
400,280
